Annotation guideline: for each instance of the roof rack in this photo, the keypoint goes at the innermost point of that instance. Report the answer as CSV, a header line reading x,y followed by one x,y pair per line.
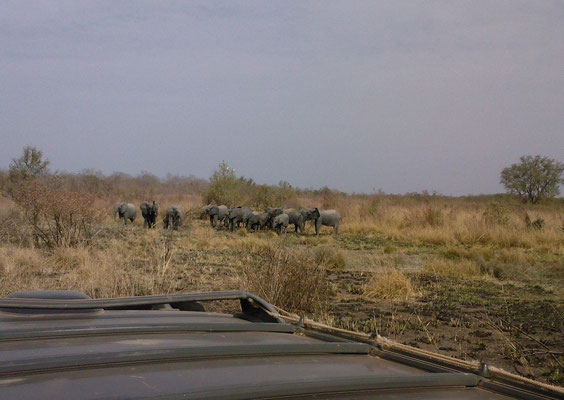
x,y
81,304
250,303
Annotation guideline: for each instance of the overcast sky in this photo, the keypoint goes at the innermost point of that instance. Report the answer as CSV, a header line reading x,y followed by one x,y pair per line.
x,y
357,95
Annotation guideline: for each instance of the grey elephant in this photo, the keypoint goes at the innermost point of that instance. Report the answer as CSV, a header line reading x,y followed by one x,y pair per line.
x,y
327,218
149,211
172,218
264,219
296,218
256,221
116,209
237,215
280,223
215,212
272,213
126,211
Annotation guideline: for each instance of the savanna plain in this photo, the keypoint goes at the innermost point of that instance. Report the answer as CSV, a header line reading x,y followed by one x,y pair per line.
x,y
477,278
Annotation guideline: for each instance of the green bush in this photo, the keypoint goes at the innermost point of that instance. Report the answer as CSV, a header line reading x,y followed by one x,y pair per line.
x,y
226,188
272,196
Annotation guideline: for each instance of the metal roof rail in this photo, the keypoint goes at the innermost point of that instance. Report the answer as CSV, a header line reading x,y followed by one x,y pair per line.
x,y
247,301
56,332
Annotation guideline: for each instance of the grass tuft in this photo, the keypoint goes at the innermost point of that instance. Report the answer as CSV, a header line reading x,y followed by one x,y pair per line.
x,y
390,284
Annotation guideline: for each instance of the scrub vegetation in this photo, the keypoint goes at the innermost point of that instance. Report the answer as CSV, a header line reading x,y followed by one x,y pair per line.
x,y
472,277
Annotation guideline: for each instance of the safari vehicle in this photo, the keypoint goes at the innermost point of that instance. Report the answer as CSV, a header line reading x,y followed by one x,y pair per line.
x,y
65,345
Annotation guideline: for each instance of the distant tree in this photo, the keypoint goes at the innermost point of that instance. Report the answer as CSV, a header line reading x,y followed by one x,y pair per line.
x,y
534,178
225,187
30,165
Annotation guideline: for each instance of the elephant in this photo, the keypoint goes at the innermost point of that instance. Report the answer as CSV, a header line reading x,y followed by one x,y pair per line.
x,y
296,218
263,220
256,221
116,209
216,213
280,223
310,214
272,212
150,211
173,218
126,211
327,218
237,215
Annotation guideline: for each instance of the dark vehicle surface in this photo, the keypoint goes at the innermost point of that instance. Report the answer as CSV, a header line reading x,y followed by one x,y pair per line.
x,y
64,345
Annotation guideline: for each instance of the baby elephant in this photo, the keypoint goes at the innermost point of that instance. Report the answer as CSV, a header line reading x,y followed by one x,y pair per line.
x,y
280,223
255,221
173,218
237,215
150,213
126,211
216,213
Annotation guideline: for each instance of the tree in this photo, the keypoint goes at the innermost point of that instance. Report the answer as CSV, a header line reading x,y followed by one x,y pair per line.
x,y
226,188
29,165
534,178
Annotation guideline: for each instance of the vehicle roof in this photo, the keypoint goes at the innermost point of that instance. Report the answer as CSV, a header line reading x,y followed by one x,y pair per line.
x,y
124,353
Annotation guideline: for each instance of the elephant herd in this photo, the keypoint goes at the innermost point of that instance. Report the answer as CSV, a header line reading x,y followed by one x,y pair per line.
x,y
276,219
127,211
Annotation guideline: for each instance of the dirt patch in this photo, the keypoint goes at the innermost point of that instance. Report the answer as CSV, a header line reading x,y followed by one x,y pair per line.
x,y
520,329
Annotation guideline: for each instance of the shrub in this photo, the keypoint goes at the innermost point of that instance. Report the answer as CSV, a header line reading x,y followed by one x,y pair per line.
x,y
13,228
56,217
30,165
290,279
496,214
537,224
272,196
226,188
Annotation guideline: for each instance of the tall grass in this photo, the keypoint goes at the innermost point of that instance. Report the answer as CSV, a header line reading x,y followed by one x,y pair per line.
x,y
289,278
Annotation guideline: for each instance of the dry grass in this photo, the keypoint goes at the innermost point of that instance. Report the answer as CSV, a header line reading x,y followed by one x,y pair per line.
x,y
330,256
291,279
390,284
457,268
456,223
440,256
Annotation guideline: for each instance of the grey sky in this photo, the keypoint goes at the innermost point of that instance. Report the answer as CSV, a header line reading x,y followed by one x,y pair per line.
x,y
398,95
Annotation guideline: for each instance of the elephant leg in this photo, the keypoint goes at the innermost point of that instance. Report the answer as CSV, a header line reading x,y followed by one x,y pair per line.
x,y
336,230
212,221
317,226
